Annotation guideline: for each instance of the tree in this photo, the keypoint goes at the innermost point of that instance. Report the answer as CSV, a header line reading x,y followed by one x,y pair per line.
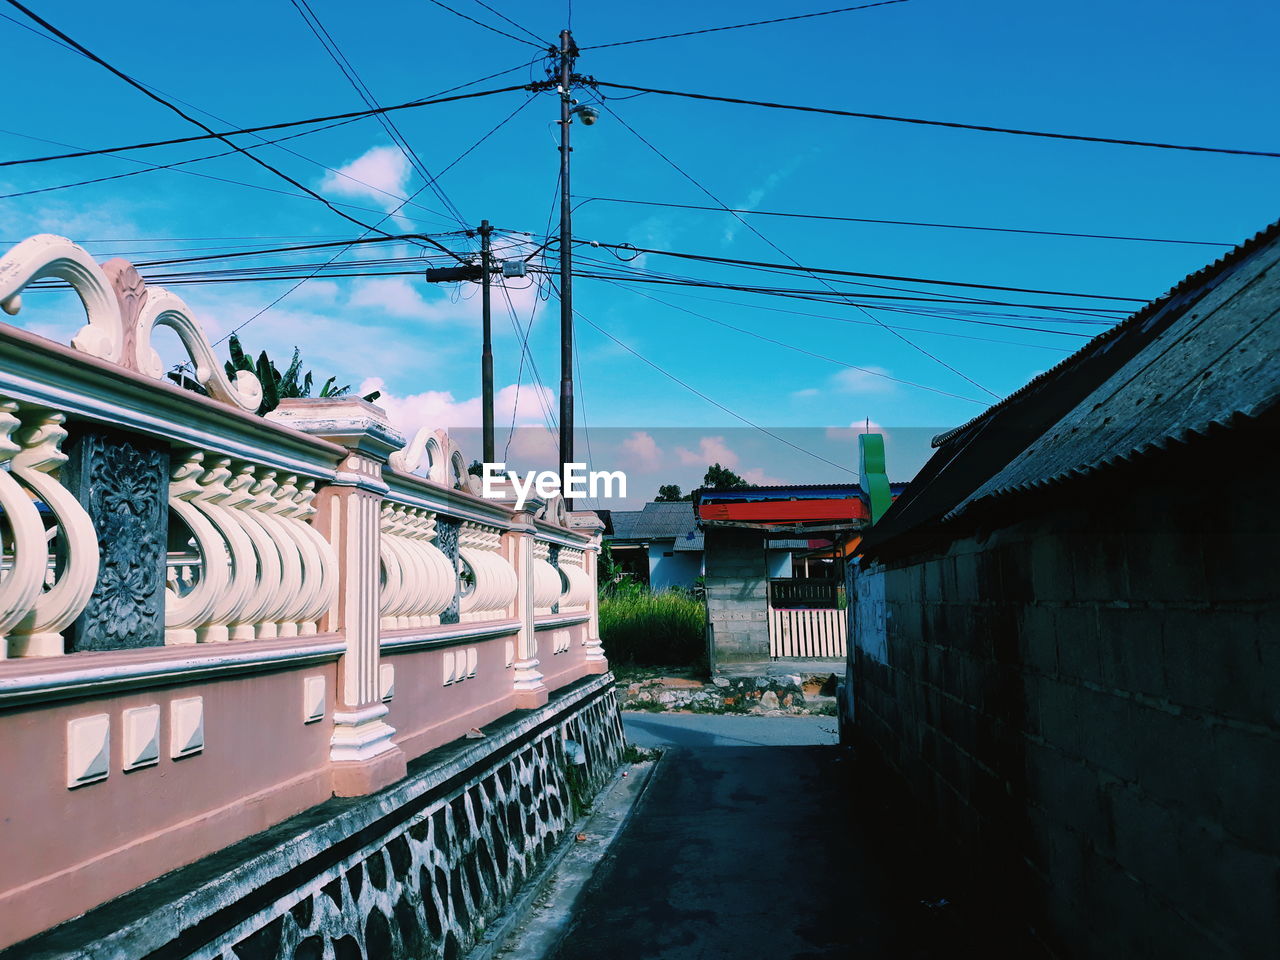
x,y
277,386
670,493
722,478
476,468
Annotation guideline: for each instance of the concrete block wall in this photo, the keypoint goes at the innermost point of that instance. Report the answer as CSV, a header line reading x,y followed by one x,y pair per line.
x,y
1087,703
737,596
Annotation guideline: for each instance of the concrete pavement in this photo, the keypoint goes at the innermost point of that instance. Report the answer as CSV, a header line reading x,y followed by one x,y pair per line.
x,y
667,730
745,845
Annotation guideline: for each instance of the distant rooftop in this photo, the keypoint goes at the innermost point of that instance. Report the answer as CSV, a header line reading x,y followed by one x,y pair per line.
x,y
659,521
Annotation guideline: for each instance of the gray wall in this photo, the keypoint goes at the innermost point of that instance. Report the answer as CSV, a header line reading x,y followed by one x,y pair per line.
x,y
1088,703
737,596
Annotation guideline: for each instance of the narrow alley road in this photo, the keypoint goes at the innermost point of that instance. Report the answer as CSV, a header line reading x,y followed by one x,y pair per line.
x,y
745,844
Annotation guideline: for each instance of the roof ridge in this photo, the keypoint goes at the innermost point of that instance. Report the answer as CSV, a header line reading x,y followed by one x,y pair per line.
x,y
1230,258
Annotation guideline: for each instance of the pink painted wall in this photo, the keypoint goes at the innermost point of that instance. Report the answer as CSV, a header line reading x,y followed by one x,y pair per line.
x,y
66,851
427,714
561,669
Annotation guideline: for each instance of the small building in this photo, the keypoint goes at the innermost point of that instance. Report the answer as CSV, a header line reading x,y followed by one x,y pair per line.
x,y
1066,652
660,545
774,571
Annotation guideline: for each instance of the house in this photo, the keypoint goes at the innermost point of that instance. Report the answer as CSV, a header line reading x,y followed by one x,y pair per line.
x,y
763,605
1065,646
660,545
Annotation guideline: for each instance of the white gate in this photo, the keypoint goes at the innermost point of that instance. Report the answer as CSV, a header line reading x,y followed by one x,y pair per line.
x,y
794,634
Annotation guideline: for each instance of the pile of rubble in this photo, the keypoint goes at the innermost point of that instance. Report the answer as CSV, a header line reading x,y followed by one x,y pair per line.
x,y
792,694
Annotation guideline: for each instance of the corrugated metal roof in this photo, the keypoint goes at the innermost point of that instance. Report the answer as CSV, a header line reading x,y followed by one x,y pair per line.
x,y
691,542
1213,364
1165,373
657,521
624,521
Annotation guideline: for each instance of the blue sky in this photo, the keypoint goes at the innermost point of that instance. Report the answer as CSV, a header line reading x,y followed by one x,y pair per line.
x,y
1165,71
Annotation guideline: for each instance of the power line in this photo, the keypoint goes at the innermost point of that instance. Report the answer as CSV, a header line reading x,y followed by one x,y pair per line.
x,y
221,135
499,13
809,353
175,168
151,168
908,223
362,89
372,229
486,26
591,81
870,323
698,184
707,258
696,392
740,26
540,388
190,119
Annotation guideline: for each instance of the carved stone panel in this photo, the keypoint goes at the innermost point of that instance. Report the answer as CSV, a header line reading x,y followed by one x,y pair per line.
x,y
554,560
447,541
122,482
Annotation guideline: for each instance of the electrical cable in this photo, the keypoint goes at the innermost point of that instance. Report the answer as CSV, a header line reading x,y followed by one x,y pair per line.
x,y
908,223
539,387
190,119
809,353
499,13
871,323
740,26
707,258
330,45
220,135
386,217
151,168
480,23
229,180
982,128
699,185
694,390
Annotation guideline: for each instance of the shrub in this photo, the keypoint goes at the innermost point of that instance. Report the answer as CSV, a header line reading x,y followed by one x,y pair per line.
x,y
666,628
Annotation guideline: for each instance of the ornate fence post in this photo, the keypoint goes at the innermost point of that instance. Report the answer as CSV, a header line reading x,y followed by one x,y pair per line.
x,y
591,524
350,516
530,690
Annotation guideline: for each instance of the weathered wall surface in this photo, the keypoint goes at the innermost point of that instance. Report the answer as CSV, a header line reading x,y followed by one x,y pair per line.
x,y
415,871
1089,704
737,596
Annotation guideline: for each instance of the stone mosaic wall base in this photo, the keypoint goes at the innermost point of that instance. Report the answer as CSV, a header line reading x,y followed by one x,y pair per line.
x,y
417,871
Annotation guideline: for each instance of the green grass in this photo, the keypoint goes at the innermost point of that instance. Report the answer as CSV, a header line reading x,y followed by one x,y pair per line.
x,y
641,627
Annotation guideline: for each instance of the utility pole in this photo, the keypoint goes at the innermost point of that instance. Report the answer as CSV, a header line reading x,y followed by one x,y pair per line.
x,y
486,351
568,53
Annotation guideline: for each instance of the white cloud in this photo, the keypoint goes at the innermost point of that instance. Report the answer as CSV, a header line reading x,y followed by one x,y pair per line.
x,y
805,393
757,476
640,452
440,408
396,296
865,380
380,174
849,435
710,450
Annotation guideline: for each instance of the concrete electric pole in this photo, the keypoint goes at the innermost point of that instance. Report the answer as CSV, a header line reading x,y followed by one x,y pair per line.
x,y
568,53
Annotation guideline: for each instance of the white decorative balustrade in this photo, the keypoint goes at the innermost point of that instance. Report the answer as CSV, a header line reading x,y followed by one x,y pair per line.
x,y
231,548
546,579
418,580
254,567
579,587
48,574
493,583
306,608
